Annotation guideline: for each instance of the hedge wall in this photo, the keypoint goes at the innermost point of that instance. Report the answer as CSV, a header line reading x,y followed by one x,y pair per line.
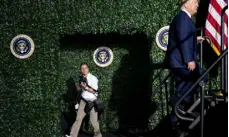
x,y
33,91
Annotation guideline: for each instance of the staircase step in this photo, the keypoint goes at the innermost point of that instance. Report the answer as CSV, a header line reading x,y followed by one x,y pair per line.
x,y
194,106
190,110
196,121
184,134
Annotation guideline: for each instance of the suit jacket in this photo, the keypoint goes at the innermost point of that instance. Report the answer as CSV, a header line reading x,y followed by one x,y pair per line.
x,y
182,42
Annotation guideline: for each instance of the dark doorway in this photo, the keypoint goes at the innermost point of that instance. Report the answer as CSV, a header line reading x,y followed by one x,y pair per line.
x,y
125,85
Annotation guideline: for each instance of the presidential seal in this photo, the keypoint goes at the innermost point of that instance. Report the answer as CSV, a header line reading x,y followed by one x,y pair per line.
x,y
162,38
103,56
22,46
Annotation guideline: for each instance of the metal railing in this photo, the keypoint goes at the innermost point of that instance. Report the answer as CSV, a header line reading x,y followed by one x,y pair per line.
x,y
201,47
201,83
194,85
159,88
163,81
224,79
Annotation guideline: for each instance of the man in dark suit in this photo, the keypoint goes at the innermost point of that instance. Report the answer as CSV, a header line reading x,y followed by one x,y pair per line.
x,y
181,56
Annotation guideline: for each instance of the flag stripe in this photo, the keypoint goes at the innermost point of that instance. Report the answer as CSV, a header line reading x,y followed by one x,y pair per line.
x,y
215,44
214,18
220,4
214,33
218,28
213,24
213,39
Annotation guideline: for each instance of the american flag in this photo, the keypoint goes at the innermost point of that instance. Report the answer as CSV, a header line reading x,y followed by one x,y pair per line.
x,y
213,24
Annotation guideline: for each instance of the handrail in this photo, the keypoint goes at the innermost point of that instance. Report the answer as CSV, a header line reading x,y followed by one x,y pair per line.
x,y
224,61
206,38
195,84
163,81
201,48
202,84
159,87
201,51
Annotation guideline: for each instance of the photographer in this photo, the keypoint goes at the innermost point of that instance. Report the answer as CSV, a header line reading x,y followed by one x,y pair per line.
x,y
88,84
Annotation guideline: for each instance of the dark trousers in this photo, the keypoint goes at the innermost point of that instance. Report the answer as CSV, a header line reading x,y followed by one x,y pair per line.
x,y
184,80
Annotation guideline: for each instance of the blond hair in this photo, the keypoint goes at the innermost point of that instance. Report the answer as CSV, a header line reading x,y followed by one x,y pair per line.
x,y
182,2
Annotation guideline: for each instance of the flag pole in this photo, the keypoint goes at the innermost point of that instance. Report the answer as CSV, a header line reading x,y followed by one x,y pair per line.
x,y
224,60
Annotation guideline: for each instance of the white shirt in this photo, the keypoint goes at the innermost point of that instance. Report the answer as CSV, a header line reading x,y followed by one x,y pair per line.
x,y
183,9
93,82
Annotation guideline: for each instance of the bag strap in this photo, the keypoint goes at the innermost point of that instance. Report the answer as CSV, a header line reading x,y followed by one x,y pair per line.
x,y
97,91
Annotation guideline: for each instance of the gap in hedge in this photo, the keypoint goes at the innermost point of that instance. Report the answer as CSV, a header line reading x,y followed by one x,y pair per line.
x,y
125,85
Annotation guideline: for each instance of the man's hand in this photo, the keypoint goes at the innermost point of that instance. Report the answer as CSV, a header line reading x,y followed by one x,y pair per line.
x,y
83,85
200,38
191,66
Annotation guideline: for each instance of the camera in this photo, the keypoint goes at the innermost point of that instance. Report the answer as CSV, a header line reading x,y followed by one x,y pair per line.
x,y
82,79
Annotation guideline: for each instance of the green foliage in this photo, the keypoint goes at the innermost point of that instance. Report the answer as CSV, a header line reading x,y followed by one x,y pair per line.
x,y
31,89
69,69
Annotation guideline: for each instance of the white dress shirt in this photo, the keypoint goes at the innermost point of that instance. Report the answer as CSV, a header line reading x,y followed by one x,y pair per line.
x,y
183,9
93,82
